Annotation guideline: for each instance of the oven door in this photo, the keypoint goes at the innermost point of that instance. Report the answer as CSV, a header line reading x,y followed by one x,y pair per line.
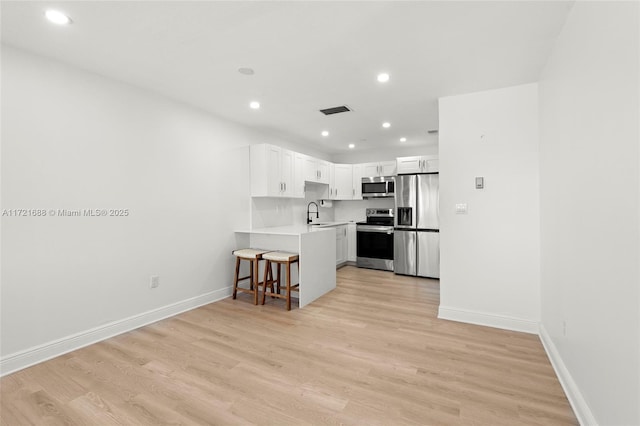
x,y
375,247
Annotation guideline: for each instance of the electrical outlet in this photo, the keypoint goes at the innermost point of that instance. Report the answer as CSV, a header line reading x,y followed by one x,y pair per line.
x,y
154,282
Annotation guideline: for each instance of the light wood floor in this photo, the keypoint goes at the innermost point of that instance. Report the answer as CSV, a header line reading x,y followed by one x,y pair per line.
x,y
370,352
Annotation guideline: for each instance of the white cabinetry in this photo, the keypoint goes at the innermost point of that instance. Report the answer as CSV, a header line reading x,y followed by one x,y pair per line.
x,y
358,174
341,244
341,182
316,170
418,164
342,248
271,171
298,175
352,244
384,168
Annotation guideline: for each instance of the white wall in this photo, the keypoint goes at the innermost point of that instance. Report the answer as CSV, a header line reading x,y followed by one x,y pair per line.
x,y
490,256
386,154
590,209
75,140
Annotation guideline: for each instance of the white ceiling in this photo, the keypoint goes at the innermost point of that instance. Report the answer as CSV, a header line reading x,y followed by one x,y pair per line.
x,y
306,56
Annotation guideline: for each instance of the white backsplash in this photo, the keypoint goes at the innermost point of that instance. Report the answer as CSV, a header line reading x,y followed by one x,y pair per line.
x,y
268,212
355,210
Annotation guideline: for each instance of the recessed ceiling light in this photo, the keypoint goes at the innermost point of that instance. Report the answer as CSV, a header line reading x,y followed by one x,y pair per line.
x,y
383,77
254,105
351,146
246,71
325,133
403,139
386,124
57,17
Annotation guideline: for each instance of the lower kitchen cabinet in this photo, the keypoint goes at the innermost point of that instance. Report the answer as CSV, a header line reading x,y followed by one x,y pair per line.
x,y
352,247
341,244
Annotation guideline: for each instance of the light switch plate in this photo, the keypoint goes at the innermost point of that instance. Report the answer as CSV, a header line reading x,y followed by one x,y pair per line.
x,y
479,182
461,208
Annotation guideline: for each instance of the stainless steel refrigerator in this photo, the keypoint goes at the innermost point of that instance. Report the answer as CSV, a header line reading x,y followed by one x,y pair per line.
x,y
416,246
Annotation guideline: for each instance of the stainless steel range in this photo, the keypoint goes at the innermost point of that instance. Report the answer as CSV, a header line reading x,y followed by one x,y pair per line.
x,y
375,240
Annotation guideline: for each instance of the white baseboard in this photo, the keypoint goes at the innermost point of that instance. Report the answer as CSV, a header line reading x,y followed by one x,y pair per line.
x,y
489,320
23,359
579,405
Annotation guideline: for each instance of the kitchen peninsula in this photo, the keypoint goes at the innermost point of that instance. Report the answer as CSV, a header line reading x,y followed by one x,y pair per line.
x,y
317,249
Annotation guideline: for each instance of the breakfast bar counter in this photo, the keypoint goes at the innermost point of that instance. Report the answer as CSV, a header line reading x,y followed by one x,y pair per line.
x,y
316,247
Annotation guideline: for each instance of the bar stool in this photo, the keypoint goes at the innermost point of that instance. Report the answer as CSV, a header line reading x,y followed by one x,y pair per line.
x,y
280,258
254,256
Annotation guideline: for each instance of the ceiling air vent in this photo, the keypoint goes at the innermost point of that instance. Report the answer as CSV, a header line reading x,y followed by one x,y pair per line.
x,y
335,110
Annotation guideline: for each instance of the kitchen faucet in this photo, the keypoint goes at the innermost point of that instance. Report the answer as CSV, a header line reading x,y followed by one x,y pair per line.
x,y
316,212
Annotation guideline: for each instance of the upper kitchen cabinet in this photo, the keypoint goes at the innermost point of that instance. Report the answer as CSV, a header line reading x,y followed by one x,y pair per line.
x,y
383,168
272,171
418,164
357,175
298,174
316,170
341,182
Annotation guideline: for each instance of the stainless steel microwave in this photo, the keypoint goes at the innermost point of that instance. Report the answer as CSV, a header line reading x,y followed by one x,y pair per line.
x,y
378,187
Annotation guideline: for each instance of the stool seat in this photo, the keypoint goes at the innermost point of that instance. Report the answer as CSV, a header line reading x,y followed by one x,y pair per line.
x,y
253,256
249,253
280,256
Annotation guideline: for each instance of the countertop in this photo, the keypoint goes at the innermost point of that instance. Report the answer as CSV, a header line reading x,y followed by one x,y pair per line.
x,y
293,229
285,230
330,224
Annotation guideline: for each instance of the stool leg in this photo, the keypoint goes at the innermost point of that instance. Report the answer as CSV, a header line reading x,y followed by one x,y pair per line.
x,y
271,278
256,288
235,281
279,278
267,267
288,286
251,274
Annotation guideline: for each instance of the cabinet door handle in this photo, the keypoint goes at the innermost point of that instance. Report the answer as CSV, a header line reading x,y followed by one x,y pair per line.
x,y
285,186
336,192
